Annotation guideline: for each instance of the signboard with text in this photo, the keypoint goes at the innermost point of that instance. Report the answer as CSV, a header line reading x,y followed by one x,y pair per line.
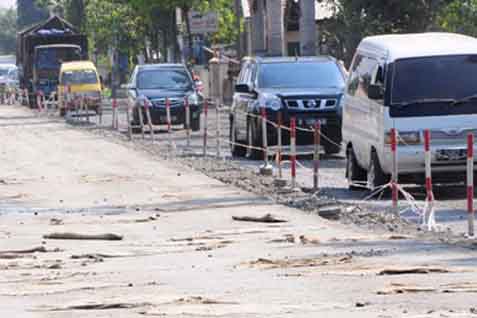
x,y
201,23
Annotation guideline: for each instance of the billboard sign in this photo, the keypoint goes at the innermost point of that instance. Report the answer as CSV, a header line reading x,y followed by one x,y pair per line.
x,y
201,23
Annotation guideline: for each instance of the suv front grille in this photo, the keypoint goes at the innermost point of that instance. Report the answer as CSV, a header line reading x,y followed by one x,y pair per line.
x,y
310,103
161,102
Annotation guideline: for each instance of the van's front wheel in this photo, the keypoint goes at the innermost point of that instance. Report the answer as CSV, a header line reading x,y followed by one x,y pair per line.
x,y
376,175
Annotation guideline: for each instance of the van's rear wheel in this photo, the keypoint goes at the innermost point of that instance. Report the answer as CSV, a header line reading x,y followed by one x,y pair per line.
x,y
354,173
376,175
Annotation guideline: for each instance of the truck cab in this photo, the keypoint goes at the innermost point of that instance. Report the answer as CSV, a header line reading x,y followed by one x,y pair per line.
x,y
47,62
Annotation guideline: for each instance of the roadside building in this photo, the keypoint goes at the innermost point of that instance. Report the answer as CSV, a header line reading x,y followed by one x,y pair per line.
x,y
284,27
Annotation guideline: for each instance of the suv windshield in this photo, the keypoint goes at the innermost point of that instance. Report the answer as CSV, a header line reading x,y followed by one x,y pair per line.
x,y
79,77
164,79
300,75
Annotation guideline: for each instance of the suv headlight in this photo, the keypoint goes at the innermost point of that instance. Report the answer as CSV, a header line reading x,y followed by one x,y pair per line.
x,y
270,101
405,138
141,101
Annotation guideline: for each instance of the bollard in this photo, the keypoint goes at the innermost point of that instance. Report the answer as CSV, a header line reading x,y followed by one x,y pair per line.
x,y
187,121
470,182
147,108
427,157
128,118
141,120
316,155
394,177
263,113
217,124
293,151
113,106
168,119
279,141
27,97
38,101
206,110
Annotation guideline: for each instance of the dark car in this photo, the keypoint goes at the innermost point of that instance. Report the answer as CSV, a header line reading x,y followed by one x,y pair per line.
x,y
307,88
156,83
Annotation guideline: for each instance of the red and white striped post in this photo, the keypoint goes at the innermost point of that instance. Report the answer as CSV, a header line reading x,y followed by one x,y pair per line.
x,y
293,150
279,141
206,111
263,113
394,177
115,115
187,121
147,108
429,193
470,182
27,96
217,127
316,155
168,118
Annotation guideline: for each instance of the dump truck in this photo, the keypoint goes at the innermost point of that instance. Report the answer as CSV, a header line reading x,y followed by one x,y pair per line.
x,y
41,49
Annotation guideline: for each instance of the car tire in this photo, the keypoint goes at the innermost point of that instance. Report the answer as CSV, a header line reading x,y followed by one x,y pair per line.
x,y
376,175
195,124
354,173
236,150
253,140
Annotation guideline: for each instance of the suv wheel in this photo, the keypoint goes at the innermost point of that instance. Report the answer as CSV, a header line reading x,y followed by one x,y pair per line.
x,y
376,175
354,173
237,150
253,141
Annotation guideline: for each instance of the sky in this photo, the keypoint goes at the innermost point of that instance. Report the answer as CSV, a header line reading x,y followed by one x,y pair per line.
x,y
7,3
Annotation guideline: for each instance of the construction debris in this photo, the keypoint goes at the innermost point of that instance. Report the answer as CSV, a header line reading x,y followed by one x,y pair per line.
x,y
413,270
77,236
301,262
267,218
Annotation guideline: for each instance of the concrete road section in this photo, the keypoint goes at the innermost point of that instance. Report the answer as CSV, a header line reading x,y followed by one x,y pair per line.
x,y
179,253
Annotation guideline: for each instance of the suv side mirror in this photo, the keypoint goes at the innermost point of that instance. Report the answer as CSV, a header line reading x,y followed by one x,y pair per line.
x,y
243,88
375,92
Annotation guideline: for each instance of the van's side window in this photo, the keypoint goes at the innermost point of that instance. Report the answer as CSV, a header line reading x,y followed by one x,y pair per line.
x,y
354,76
365,70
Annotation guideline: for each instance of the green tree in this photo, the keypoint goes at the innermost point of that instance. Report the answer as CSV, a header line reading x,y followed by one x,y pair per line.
x,y
7,31
356,19
460,16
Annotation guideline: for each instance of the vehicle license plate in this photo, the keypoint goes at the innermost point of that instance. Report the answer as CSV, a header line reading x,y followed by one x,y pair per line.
x,y
451,154
164,119
313,121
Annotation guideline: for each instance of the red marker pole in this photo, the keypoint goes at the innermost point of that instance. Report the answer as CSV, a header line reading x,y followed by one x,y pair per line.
x,y
114,106
394,178
147,108
470,182
279,131
168,117
316,155
187,120
293,150
263,113
427,149
206,110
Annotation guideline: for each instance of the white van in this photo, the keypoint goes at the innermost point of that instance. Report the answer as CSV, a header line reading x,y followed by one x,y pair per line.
x,y
410,82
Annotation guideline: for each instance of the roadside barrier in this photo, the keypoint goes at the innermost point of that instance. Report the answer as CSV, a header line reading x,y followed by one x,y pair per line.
x,y
394,177
293,151
316,155
470,182
217,126
187,121
206,111
169,124
429,211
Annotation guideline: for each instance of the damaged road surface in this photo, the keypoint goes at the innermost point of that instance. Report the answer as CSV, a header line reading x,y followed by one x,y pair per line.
x,y
92,227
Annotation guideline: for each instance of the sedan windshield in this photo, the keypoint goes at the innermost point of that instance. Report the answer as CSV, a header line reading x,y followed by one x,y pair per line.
x,y
300,75
434,78
164,79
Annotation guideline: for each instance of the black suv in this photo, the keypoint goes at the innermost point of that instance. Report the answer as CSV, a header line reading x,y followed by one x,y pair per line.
x,y
307,88
158,82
